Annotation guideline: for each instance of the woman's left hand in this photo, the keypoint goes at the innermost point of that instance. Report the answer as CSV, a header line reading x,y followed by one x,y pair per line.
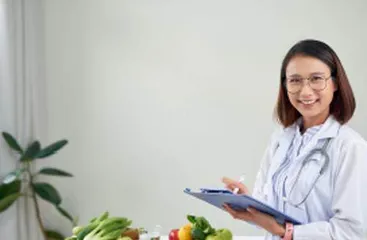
x,y
263,220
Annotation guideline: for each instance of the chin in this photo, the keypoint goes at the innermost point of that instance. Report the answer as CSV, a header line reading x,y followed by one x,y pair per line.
x,y
310,114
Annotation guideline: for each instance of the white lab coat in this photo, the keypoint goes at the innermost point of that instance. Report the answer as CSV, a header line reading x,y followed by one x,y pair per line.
x,y
337,205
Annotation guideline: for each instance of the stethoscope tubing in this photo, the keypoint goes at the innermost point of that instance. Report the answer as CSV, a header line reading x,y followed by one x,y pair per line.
x,y
309,158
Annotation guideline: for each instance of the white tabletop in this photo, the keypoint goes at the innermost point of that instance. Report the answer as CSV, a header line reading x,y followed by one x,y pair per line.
x,y
234,238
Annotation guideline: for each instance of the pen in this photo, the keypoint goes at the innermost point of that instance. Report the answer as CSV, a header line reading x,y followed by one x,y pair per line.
x,y
241,180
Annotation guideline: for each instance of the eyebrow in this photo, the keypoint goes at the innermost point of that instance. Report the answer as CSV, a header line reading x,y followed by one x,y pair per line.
x,y
313,73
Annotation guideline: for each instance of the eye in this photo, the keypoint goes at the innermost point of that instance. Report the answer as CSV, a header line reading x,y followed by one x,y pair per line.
x,y
295,80
317,78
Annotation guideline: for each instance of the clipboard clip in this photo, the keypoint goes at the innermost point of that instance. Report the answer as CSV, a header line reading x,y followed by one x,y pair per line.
x,y
210,190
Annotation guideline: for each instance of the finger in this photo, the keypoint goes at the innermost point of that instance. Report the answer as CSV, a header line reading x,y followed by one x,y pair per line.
x,y
259,215
231,184
229,210
228,182
252,210
243,215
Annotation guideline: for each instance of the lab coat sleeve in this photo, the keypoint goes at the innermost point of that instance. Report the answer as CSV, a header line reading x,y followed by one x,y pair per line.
x,y
349,199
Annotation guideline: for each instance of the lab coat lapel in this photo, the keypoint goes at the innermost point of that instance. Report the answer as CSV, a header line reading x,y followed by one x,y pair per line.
x,y
280,153
328,130
280,150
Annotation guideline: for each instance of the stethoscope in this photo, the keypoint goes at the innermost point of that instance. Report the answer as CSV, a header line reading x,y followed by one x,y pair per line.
x,y
308,159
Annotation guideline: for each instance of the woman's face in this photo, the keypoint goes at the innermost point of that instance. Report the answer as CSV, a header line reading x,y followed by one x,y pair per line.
x,y
311,98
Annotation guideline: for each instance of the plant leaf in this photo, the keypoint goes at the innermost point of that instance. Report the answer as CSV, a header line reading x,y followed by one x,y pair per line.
x,y
51,149
47,192
9,189
10,177
55,172
7,201
53,235
10,140
65,213
31,151
191,219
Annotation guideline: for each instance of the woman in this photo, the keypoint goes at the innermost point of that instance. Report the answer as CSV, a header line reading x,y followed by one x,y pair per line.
x,y
325,192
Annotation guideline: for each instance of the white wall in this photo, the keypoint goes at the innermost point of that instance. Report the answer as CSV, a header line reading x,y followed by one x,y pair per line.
x,y
156,97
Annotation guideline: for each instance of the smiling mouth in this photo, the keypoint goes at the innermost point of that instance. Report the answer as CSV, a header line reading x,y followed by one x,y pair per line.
x,y
308,102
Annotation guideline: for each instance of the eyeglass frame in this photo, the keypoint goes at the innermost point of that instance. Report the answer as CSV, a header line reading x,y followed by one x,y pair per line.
x,y
308,83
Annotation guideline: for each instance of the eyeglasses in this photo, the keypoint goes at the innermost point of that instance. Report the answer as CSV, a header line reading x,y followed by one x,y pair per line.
x,y
295,84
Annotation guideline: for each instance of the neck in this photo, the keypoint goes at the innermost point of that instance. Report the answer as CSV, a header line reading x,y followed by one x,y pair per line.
x,y
314,121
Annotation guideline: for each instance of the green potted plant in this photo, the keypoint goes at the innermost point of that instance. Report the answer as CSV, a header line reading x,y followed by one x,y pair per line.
x,y
22,182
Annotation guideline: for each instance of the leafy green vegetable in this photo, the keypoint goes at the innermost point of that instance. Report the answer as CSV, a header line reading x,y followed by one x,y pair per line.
x,y
71,238
197,234
200,227
101,228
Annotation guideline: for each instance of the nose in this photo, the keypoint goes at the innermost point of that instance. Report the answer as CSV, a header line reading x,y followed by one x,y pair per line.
x,y
306,90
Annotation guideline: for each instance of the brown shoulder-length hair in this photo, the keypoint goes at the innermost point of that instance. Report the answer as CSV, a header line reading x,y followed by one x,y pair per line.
x,y
343,104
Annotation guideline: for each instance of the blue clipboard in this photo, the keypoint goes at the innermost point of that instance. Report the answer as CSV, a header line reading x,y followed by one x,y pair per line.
x,y
217,197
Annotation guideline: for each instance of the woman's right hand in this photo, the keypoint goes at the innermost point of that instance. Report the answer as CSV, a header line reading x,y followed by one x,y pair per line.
x,y
231,184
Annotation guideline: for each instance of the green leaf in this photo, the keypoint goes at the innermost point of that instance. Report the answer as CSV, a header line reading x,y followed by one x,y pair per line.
x,y
55,172
65,213
7,201
10,140
191,219
10,177
9,193
51,149
31,152
53,235
9,189
47,192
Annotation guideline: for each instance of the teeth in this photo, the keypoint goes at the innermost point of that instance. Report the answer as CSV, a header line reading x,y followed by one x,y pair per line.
x,y
308,101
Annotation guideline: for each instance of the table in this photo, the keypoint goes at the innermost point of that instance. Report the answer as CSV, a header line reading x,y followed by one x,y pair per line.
x,y
234,238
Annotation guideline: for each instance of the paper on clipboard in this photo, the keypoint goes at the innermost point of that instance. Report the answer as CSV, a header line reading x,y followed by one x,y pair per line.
x,y
217,197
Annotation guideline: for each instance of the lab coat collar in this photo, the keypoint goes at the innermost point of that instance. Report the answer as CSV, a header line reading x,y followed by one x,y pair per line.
x,y
329,129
